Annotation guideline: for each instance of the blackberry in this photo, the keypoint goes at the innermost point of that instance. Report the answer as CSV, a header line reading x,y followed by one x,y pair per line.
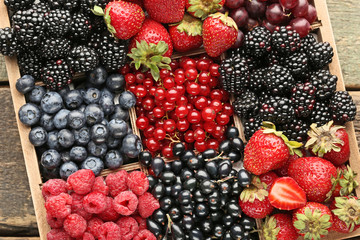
x,y
252,62
278,80
97,24
66,4
28,27
320,55
41,7
256,82
296,130
246,105
87,5
274,58
15,5
263,96
57,22
251,126
235,74
30,64
297,63
324,82
342,106
83,59
303,99
257,42
320,114
54,48
278,110
80,27
8,45
56,74
285,40
307,41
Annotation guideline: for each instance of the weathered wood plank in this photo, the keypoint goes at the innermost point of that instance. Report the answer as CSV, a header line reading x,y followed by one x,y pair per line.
x,y
356,98
3,73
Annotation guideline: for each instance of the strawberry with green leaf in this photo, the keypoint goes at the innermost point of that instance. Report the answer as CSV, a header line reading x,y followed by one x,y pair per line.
x,y
346,214
165,11
279,227
202,8
343,184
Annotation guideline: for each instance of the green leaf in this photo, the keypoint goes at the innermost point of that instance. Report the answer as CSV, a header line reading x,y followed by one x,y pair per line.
x,y
166,60
156,58
137,65
98,11
192,8
299,225
161,47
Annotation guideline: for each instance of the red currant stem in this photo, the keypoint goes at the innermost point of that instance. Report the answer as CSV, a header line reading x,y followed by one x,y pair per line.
x,y
169,224
171,139
214,158
225,179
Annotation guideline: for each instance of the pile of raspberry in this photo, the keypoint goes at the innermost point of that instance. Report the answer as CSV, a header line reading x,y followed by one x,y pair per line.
x,y
88,207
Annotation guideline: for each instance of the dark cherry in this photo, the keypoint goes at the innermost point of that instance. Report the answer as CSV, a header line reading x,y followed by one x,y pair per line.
x,y
219,231
152,181
248,223
232,132
158,191
227,220
176,166
187,155
225,147
184,197
237,231
186,174
255,8
190,184
157,165
201,174
145,158
240,16
178,149
166,203
175,190
167,177
154,227
159,216
201,210
187,223
244,178
212,168
209,153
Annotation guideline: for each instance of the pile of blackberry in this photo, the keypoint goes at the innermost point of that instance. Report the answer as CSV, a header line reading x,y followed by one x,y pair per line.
x,y
46,32
282,78
199,194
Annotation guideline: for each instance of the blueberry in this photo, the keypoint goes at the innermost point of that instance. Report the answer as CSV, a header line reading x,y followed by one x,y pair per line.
x,y
106,92
68,168
118,128
107,104
36,94
82,136
97,76
50,159
49,173
61,119
25,84
115,82
99,133
127,100
38,136
52,141
97,150
113,159
64,91
29,114
66,138
92,95
94,114
76,119
73,99
131,146
82,108
65,156
120,113
112,142
94,164
51,102
78,154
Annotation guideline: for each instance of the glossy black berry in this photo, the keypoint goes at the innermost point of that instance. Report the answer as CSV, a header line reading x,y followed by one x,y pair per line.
x,y
244,178
178,149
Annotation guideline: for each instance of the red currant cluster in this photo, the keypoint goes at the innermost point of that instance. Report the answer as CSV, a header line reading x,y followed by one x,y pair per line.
x,y
185,105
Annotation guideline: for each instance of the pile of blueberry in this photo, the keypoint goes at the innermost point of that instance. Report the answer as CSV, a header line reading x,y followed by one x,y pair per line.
x,y
85,128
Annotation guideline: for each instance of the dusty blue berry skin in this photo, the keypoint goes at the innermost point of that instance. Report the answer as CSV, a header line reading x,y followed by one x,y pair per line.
x,y
68,168
50,159
115,82
38,136
51,102
82,108
82,136
76,119
52,141
46,121
99,133
92,95
113,159
118,128
64,91
107,104
127,100
65,156
66,138
131,146
106,92
120,113
25,84
49,173
97,76
93,163
94,114
61,119
78,154
36,94
97,150
112,142
29,114
73,99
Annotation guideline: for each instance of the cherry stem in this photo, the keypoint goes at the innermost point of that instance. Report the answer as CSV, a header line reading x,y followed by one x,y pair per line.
x,y
225,179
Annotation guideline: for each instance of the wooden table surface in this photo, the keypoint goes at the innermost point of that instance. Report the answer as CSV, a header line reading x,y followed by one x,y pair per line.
x,y
17,217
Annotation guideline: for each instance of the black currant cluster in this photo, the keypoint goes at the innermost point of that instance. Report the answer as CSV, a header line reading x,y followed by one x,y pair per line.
x,y
198,193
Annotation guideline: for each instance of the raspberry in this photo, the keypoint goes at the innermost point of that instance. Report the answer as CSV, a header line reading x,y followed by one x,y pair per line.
x,y
141,222
147,205
138,182
53,187
110,231
94,225
59,206
81,181
54,222
75,225
57,234
117,182
109,214
125,203
94,202
100,186
78,208
77,197
128,227
144,235
88,236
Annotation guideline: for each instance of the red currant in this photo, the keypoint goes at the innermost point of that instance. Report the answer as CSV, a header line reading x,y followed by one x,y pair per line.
x,y
148,103
222,119
216,105
193,88
208,114
167,152
216,94
172,95
181,111
182,100
142,122
150,115
182,125
204,90
124,70
191,74
168,106
228,109
203,64
188,63
179,71
199,135
174,65
139,76
130,78
149,132
132,88
152,90
169,82
204,77
164,73
159,134
214,70
213,82
169,125
212,144
140,91
209,126
180,79
200,146
152,144
201,102
148,82
194,117
160,94
159,124
181,89
158,112
189,136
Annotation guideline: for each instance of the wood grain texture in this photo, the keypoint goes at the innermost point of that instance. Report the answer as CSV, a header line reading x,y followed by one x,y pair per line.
x,y
3,73
19,238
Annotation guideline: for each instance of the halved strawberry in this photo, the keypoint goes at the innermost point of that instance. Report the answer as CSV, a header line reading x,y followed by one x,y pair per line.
x,y
286,194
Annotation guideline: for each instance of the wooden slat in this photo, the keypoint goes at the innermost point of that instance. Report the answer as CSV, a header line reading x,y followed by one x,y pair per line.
x,y
19,238
3,73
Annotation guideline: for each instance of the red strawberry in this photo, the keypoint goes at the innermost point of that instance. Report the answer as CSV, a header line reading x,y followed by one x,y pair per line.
x,y
186,35
345,182
314,175
123,19
269,179
330,142
138,2
202,8
219,34
313,221
283,171
165,11
346,214
151,48
267,150
279,226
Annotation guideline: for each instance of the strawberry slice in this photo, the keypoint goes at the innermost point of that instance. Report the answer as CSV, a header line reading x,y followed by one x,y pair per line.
x,y
286,194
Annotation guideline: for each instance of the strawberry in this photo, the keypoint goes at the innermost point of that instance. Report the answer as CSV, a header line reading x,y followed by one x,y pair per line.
x,y
151,48
286,194
330,142
269,179
268,149
138,2
165,11
123,19
279,226
313,221
283,171
314,176
186,35
219,34
202,8
346,214
345,182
